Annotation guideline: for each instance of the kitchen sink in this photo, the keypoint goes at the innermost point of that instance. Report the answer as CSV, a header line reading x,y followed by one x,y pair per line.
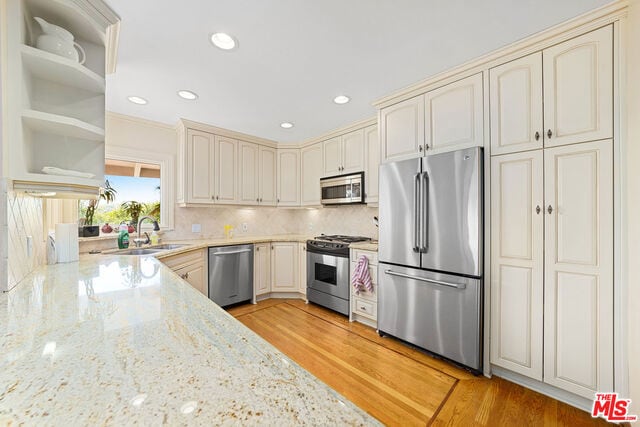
x,y
168,246
140,251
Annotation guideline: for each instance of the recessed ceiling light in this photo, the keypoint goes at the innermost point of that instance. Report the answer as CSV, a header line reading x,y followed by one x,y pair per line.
x,y
286,125
341,99
187,94
223,41
137,100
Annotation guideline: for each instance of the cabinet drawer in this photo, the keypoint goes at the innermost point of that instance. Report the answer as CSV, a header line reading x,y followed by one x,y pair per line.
x,y
371,256
181,260
365,307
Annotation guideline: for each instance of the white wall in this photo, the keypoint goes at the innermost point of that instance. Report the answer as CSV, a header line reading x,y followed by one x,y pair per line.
x,y
632,193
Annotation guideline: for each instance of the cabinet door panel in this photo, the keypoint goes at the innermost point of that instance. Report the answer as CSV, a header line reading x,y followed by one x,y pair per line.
x,y
353,152
402,129
268,176
262,268
200,161
226,164
284,267
517,262
579,268
578,89
248,179
311,169
332,156
288,177
372,149
516,105
454,117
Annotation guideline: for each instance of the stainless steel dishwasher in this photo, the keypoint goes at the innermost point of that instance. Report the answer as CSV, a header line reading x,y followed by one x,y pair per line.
x,y
230,274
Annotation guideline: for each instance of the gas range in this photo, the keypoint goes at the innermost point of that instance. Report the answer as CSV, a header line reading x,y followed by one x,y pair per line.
x,y
335,244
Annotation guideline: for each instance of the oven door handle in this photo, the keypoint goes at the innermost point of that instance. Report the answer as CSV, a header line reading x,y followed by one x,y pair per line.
x,y
422,279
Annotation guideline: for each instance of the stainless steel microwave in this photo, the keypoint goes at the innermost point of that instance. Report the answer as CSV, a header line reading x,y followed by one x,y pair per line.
x,y
342,189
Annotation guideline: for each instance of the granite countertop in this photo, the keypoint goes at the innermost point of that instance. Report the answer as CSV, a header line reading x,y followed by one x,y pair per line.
x,y
114,340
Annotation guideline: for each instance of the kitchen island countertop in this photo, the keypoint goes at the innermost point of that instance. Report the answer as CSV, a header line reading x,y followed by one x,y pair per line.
x,y
121,339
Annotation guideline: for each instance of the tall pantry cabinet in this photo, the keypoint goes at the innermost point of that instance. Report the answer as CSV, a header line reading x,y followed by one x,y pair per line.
x,y
551,117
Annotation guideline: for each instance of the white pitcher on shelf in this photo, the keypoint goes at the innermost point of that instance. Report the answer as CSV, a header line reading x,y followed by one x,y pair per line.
x,y
59,41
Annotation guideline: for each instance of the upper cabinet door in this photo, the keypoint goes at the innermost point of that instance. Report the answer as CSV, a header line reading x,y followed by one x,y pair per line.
x,y
353,152
372,153
311,169
578,89
578,313
288,177
199,167
516,105
267,192
517,262
226,166
332,156
248,176
402,129
453,116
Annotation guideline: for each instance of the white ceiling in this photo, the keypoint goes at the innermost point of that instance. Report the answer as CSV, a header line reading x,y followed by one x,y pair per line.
x,y
295,56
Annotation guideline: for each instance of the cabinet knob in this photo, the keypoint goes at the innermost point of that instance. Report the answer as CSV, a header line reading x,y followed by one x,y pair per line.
x,y
420,148
258,249
260,199
538,209
278,200
537,135
257,199
217,197
213,197
550,209
549,133
186,275
426,147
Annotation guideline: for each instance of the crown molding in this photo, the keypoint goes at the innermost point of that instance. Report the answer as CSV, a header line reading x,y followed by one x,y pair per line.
x,y
334,133
184,123
139,120
586,22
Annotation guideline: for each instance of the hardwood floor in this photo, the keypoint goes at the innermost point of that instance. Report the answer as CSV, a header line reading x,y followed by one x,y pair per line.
x,y
393,382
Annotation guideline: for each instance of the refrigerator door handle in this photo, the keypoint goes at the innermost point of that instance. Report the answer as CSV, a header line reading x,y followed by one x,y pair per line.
x,y
422,279
416,213
424,214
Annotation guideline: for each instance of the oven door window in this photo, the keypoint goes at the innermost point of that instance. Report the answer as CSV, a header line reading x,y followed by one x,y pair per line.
x,y
326,274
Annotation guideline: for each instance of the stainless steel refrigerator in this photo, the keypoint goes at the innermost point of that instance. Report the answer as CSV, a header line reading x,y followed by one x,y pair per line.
x,y
430,252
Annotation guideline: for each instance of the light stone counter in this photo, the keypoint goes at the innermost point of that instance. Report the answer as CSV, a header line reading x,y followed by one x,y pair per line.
x,y
119,340
367,246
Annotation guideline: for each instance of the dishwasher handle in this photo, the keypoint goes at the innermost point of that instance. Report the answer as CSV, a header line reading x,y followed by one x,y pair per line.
x,y
241,251
422,279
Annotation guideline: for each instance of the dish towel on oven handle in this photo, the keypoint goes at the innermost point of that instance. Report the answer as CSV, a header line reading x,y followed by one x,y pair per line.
x,y
361,279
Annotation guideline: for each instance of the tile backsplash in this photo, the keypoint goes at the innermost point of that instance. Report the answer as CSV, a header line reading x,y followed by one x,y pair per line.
x,y
24,237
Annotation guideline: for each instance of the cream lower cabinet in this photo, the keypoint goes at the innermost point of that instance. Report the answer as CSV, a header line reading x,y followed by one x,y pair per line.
x,y
302,269
552,265
262,268
364,304
284,267
192,267
311,172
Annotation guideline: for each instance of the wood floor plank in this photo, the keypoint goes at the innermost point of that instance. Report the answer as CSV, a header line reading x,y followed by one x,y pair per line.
x,y
398,384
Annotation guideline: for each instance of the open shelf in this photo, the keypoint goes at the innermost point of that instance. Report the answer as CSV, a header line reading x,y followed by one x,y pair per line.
x,y
55,68
61,125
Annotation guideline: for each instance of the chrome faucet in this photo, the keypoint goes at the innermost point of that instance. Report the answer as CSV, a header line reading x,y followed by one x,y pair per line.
x,y
139,241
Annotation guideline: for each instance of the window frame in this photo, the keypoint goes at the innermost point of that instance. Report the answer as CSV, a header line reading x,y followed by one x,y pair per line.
x,y
167,178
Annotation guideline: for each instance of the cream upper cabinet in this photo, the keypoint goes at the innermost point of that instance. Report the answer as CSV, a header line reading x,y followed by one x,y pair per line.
x,y
288,177
226,170
579,232
267,184
344,154
578,89
332,156
515,91
454,116
200,156
249,173
402,129
517,229
353,152
311,170
284,267
372,155
262,268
